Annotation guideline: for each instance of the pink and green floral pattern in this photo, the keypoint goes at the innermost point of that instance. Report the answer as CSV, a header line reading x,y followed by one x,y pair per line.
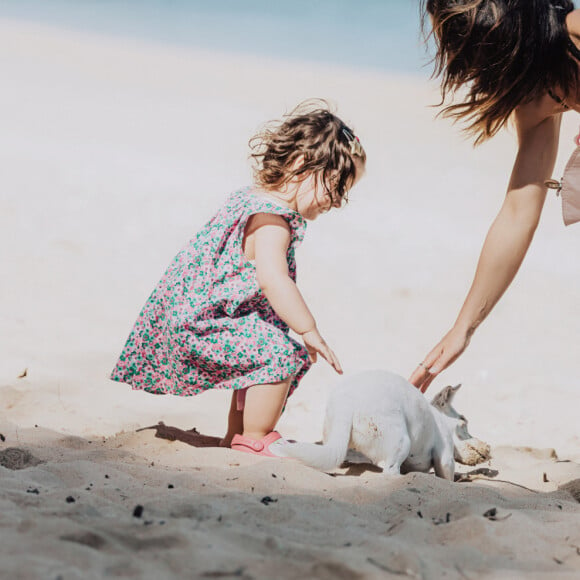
x,y
207,324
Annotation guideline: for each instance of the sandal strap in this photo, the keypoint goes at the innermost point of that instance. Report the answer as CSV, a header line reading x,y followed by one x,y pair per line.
x,y
253,444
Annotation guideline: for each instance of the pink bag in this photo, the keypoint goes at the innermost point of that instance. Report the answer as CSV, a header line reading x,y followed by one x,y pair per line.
x,y
569,188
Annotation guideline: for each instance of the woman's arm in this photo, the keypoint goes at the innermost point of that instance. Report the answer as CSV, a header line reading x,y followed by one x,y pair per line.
x,y
507,241
271,240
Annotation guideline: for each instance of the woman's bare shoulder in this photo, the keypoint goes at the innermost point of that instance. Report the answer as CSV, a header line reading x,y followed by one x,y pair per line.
x,y
536,112
573,24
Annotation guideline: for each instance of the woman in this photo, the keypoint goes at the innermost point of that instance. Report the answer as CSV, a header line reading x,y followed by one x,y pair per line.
x,y
518,61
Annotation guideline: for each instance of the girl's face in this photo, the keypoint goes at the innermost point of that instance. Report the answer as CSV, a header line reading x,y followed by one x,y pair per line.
x,y
312,199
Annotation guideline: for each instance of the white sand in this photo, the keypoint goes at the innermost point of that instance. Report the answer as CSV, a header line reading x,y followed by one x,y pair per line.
x,y
112,155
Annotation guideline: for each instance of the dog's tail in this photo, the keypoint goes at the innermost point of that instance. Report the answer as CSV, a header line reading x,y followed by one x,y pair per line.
x,y
332,453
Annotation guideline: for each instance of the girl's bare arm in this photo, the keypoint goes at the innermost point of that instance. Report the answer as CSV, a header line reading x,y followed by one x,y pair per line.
x,y
271,240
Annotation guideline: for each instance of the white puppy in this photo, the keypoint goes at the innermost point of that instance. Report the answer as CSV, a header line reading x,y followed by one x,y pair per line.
x,y
391,422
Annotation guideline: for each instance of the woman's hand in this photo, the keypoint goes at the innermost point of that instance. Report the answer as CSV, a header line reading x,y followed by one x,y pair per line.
x,y
315,345
444,354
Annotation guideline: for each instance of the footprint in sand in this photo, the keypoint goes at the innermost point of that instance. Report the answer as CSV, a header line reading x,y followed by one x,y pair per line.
x,y
89,539
17,458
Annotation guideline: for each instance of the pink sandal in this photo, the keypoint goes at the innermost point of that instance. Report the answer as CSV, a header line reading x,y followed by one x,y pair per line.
x,y
261,447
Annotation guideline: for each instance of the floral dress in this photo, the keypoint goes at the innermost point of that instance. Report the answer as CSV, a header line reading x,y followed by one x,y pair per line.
x,y
207,324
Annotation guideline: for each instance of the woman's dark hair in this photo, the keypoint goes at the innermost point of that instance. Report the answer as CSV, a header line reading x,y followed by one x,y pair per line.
x,y
504,52
313,131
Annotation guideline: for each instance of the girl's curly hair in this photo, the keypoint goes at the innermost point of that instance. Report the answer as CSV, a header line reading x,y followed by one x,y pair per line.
x,y
504,52
328,145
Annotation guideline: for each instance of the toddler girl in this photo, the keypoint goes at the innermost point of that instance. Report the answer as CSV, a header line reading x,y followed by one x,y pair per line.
x,y
220,317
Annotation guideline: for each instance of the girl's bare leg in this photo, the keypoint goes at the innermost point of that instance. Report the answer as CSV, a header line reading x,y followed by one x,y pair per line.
x,y
235,422
263,407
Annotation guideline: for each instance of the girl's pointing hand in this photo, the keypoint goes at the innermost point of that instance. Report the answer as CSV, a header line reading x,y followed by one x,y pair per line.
x,y
315,345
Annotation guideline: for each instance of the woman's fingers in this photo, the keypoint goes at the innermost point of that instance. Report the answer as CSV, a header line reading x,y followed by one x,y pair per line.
x,y
418,377
443,355
428,369
422,376
427,382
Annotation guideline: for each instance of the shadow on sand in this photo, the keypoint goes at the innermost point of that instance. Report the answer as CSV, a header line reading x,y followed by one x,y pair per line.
x,y
191,437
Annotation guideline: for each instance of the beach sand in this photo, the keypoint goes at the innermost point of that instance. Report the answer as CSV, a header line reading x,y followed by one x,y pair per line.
x,y
113,153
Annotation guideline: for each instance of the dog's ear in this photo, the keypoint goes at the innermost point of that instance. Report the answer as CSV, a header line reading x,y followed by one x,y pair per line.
x,y
444,397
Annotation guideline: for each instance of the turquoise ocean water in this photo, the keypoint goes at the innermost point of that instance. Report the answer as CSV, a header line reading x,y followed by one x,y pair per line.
x,y
375,34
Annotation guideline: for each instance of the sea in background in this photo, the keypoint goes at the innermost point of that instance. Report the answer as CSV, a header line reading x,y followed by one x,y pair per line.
x,y
370,34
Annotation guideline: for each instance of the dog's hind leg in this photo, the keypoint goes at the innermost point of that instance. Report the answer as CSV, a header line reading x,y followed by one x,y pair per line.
x,y
337,431
392,447
444,465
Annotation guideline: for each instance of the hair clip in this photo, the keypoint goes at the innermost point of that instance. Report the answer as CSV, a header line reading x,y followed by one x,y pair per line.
x,y
353,142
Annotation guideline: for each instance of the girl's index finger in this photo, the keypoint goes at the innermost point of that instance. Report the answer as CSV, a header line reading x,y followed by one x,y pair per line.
x,y
337,366
332,360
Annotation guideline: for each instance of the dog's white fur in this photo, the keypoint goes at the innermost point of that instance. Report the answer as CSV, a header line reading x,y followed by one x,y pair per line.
x,y
391,422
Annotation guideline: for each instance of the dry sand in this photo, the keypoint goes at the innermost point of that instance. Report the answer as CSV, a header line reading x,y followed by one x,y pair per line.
x,y
113,153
